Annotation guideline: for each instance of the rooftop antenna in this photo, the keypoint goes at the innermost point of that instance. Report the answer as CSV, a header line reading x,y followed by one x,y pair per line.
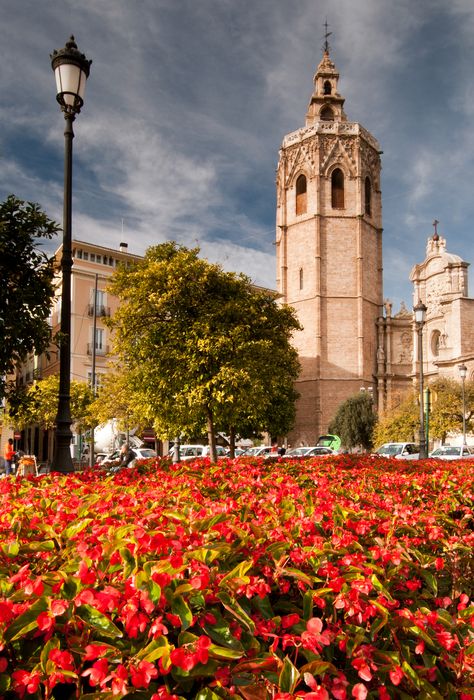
x,y
327,34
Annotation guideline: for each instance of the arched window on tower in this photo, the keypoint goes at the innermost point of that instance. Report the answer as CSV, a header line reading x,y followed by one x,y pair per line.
x,y
337,189
301,278
301,202
368,196
327,87
326,114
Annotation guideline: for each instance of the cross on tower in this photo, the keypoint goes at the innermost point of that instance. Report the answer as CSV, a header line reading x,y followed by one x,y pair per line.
x,y
326,37
435,235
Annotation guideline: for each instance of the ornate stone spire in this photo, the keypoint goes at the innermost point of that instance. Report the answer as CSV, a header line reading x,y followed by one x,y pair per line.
x,y
326,103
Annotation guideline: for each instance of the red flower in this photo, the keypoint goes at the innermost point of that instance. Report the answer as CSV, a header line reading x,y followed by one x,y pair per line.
x,y
396,675
142,674
119,680
94,651
24,682
62,659
45,623
97,672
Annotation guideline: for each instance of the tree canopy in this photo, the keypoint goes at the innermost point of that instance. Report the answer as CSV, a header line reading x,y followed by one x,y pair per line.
x,y
403,423
26,289
37,404
354,421
204,348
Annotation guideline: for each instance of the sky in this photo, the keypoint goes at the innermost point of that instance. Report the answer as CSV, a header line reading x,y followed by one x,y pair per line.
x,y
188,101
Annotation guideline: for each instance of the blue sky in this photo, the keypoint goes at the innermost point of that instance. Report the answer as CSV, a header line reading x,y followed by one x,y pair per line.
x,y
188,101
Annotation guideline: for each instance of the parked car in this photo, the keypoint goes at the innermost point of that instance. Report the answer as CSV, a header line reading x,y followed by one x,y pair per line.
x,y
260,451
187,452
452,452
399,450
140,453
316,451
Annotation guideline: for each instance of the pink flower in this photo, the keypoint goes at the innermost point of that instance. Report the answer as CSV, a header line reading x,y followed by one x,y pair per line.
x,y
359,691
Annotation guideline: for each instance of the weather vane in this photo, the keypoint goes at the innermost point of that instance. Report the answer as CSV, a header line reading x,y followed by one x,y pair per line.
x,y
326,36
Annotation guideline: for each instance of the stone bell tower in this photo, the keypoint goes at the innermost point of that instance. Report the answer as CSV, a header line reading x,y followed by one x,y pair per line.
x,y
329,253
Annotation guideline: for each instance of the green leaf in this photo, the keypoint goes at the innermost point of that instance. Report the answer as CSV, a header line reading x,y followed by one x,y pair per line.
x,y
180,608
207,694
289,676
98,621
43,546
219,652
11,549
72,530
157,649
27,621
236,610
238,573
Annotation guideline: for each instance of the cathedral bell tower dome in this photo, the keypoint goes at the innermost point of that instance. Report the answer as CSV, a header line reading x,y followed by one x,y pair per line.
x,y
329,252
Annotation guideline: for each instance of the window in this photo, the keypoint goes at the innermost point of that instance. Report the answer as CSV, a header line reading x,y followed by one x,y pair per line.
x,y
327,87
337,189
98,380
368,196
99,338
301,278
326,114
92,257
301,195
99,301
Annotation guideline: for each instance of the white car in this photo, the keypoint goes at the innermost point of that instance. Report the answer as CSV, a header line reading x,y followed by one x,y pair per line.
x,y
140,453
399,450
197,452
317,451
260,451
452,452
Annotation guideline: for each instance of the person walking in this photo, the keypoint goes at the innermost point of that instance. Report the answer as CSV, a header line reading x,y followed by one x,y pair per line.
x,y
9,456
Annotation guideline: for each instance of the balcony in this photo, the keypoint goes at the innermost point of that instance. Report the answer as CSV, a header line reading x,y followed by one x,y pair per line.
x,y
101,310
104,350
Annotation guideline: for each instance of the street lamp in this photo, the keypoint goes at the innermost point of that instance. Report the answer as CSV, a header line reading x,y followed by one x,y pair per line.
x,y
420,316
71,69
463,374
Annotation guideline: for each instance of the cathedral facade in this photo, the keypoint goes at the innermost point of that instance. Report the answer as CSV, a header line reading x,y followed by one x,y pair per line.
x,y
329,269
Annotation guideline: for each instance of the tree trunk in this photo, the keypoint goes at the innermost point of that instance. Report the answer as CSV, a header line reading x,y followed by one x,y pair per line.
x,y
211,438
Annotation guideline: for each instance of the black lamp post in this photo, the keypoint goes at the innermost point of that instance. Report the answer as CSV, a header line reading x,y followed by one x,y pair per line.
x,y
463,374
420,316
71,69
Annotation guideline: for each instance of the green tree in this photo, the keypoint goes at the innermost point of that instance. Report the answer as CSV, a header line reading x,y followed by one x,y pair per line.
x,y
26,289
116,398
39,404
203,348
447,407
354,421
403,423
400,424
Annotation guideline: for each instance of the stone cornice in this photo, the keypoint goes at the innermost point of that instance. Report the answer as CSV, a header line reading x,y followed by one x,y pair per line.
x,y
333,128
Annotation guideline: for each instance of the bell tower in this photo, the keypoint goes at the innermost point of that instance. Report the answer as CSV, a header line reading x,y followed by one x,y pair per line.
x,y
329,252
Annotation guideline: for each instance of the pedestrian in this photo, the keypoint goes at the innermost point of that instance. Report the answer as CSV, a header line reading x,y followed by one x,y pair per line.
x,y
9,455
127,455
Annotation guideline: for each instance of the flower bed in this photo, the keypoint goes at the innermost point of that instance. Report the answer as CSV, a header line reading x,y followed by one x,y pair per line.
x,y
335,578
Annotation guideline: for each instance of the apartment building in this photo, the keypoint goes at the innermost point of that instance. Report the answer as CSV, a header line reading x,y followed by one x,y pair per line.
x,y
92,267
